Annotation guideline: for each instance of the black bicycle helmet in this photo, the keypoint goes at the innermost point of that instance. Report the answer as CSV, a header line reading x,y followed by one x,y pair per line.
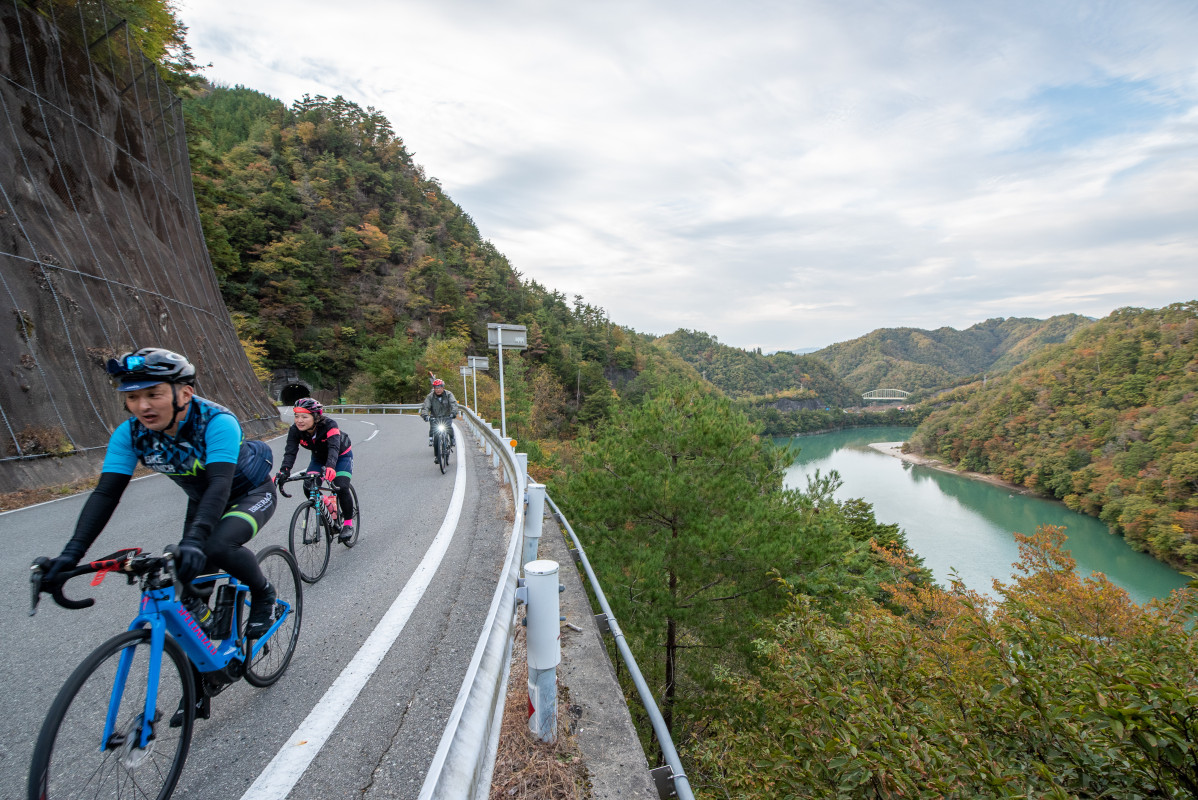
x,y
150,366
309,404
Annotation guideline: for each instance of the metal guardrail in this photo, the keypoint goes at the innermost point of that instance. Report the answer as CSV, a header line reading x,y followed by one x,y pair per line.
x,y
398,408
670,779
465,758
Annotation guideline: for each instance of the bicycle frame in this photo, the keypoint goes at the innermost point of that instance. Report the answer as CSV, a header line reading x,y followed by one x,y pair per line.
x,y
163,613
320,489
317,495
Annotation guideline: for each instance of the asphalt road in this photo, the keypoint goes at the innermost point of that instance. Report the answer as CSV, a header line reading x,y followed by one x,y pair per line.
x,y
383,744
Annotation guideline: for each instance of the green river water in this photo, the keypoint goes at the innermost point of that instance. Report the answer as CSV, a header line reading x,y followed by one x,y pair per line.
x,y
962,524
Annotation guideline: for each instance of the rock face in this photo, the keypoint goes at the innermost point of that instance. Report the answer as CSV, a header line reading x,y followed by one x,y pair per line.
x,y
101,250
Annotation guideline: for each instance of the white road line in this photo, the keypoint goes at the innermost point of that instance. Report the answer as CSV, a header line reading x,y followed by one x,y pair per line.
x,y
289,764
88,491
371,424
68,497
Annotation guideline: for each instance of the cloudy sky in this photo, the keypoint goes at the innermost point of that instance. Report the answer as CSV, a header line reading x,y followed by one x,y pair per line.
x,y
780,173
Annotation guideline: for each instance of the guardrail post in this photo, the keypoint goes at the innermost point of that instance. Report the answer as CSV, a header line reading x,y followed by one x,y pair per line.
x,y
544,647
522,462
533,515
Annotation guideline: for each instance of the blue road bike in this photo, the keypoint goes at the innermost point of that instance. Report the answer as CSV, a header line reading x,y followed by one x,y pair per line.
x,y
122,724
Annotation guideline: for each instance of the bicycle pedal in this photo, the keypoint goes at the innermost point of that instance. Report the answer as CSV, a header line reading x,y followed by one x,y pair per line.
x,y
203,710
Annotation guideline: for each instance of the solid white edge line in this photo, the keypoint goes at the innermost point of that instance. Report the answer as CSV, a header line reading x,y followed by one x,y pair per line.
x,y
76,494
289,764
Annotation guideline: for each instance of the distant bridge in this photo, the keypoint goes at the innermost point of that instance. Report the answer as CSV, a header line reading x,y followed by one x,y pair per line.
x,y
885,394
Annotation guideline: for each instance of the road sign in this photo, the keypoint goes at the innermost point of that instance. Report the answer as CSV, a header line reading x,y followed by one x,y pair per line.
x,y
479,362
515,337
465,371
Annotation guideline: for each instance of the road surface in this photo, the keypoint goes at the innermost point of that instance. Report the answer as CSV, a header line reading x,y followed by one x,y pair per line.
x,y
381,746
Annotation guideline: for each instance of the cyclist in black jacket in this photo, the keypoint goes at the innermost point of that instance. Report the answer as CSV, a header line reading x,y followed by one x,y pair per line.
x,y
332,457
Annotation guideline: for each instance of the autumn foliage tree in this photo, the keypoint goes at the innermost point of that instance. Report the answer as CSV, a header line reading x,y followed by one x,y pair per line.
x,y
1058,686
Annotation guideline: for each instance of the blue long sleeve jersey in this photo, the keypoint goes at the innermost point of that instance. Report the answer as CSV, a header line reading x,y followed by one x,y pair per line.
x,y
206,458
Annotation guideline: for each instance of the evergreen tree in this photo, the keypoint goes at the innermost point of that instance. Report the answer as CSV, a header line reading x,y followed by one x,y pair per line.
x,y
684,516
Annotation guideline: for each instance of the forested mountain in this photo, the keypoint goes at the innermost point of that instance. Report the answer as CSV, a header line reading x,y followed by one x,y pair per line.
x,y
746,373
338,256
1107,422
912,359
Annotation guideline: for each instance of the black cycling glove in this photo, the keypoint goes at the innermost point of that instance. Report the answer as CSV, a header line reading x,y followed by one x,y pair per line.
x,y
190,559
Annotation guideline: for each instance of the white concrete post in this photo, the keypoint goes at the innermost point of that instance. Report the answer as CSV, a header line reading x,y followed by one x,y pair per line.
x,y
522,463
544,647
533,518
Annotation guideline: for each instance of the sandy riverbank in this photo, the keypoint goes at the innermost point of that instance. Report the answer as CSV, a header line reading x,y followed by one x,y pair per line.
x,y
895,449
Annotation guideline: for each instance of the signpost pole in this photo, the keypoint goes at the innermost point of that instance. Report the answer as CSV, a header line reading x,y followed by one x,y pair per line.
x,y
474,373
502,407
518,341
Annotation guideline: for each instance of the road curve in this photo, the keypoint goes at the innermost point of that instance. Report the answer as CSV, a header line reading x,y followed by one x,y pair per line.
x,y
382,744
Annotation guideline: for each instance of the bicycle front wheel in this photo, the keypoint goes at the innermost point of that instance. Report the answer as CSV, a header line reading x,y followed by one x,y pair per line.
x,y
308,542
71,759
357,518
275,653
441,451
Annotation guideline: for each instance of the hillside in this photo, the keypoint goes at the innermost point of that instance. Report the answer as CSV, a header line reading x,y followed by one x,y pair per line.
x,y
913,359
743,373
1107,422
340,258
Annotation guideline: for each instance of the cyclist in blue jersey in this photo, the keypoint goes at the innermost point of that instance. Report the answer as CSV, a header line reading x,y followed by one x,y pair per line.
x,y
198,445
332,456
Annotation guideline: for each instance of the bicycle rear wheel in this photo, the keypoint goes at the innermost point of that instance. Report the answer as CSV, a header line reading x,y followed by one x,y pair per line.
x,y
280,569
357,518
69,758
308,542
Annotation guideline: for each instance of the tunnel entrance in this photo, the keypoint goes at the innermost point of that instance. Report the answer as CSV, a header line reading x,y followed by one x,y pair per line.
x,y
292,392
286,386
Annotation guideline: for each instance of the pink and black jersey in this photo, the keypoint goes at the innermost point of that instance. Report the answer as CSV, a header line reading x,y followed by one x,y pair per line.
x,y
326,441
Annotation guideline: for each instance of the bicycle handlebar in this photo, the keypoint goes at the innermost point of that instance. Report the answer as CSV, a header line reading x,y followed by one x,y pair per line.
x,y
299,476
121,560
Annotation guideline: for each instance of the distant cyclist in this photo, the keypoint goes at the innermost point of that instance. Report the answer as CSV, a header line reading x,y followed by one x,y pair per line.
x,y
332,458
198,445
440,402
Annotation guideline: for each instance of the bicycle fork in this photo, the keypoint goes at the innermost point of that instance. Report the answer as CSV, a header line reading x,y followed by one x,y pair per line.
x,y
111,739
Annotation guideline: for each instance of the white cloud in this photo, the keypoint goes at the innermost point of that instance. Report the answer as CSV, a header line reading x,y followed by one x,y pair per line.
x,y
780,174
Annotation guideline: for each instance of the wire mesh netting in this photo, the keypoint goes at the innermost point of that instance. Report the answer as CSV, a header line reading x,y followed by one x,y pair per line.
x,y
101,250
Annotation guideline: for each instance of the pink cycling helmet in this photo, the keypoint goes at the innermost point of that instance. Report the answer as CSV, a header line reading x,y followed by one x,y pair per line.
x,y
308,405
